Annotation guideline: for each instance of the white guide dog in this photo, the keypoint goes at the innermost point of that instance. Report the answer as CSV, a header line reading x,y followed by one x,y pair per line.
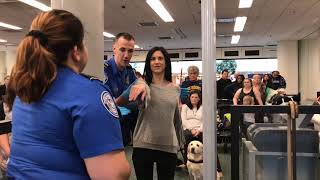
x,y
195,160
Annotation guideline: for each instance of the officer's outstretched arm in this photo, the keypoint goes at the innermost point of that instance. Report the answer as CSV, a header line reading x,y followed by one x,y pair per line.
x,y
108,166
121,101
137,89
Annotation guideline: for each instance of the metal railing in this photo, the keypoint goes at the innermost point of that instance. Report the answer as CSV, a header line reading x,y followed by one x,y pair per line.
x,y
237,111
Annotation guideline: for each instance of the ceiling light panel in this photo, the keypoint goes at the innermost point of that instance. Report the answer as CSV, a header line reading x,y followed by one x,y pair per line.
x,y
108,35
235,39
158,7
3,41
245,3
36,4
240,23
9,26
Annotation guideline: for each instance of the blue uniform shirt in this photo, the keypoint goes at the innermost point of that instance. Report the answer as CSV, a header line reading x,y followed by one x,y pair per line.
x,y
74,120
118,81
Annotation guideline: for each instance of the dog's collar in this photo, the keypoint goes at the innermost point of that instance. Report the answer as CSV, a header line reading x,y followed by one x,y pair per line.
x,y
197,162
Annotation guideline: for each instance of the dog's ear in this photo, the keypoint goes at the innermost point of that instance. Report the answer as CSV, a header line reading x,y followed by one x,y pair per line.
x,y
189,147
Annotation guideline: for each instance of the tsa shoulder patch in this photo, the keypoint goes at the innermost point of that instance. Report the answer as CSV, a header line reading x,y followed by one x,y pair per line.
x,y
108,103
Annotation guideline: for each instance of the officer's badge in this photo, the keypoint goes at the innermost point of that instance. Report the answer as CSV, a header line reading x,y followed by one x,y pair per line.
x,y
108,103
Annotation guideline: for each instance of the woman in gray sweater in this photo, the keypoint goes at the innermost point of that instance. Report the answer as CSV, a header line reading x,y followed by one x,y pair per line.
x,y
158,134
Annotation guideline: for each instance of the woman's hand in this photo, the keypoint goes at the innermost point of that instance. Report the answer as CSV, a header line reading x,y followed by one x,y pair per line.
x,y
136,90
195,132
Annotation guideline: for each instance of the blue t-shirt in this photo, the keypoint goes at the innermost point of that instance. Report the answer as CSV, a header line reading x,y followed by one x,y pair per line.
x,y
116,80
74,120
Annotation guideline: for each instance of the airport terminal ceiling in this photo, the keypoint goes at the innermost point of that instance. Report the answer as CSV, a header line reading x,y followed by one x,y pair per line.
x,y
268,21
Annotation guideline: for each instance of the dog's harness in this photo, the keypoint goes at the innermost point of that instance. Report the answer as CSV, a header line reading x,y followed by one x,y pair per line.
x,y
196,162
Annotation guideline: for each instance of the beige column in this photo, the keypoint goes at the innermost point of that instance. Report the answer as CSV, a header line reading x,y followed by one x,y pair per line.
x,y
91,14
11,55
288,64
208,37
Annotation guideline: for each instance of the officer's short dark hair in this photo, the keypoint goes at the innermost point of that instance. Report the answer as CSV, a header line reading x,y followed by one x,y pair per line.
x,y
225,70
124,35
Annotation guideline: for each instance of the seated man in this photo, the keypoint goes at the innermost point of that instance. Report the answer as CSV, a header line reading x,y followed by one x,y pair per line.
x,y
191,84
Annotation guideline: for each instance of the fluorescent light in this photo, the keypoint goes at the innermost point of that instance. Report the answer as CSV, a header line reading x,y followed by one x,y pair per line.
x,y
245,3
137,47
37,4
235,39
158,7
9,26
240,22
3,41
108,35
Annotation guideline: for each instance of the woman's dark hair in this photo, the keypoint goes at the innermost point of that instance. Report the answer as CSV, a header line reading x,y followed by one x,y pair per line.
x,y
52,35
266,75
189,101
147,69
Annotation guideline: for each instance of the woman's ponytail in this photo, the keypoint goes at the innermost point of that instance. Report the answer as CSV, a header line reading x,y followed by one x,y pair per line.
x,y
53,34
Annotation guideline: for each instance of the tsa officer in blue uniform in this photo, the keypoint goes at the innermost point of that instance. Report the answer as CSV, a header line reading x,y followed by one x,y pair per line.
x,y
65,126
119,76
118,72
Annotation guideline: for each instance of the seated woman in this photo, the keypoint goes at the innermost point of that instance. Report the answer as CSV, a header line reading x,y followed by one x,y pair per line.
x,y
191,115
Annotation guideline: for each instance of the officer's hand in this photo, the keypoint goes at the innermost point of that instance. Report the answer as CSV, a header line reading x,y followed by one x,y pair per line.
x,y
136,90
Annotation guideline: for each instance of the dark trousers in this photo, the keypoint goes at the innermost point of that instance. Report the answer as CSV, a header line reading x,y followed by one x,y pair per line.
x,y
143,160
128,123
188,137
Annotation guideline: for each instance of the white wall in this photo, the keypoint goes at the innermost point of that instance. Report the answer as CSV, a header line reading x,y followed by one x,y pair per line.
x,y
265,52
11,54
91,14
287,53
7,60
309,68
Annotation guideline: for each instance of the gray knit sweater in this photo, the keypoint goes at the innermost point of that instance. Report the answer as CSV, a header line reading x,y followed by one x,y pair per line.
x,y
159,125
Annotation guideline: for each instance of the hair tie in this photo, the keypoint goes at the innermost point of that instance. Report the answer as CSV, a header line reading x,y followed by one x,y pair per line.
x,y
38,34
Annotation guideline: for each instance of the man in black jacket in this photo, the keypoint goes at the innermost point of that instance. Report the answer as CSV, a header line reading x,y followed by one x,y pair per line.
x,y
222,83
